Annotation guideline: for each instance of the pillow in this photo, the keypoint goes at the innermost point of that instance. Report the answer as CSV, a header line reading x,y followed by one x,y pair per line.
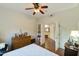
x,y
2,45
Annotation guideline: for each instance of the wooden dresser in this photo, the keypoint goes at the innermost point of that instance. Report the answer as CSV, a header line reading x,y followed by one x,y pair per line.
x,y
20,41
70,51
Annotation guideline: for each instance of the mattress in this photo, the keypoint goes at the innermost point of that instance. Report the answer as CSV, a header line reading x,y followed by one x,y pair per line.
x,y
30,50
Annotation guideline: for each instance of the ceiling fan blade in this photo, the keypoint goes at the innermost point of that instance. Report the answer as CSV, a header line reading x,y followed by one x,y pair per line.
x,y
44,6
34,13
35,4
28,8
41,11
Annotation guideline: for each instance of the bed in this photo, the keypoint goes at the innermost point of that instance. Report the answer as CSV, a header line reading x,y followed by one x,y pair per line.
x,y
30,50
22,46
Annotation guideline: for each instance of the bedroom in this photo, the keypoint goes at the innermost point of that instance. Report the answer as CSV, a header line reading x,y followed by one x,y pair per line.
x,y
14,19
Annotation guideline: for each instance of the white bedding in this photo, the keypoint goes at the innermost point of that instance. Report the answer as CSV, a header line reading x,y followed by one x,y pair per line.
x,y
30,50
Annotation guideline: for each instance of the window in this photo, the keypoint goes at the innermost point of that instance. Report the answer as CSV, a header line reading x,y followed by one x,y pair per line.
x,y
75,36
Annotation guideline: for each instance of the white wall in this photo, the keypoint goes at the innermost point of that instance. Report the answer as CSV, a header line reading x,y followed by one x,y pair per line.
x,y
12,22
67,19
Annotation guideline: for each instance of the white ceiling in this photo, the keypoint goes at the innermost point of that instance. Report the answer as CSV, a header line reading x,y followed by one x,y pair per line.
x,y
52,8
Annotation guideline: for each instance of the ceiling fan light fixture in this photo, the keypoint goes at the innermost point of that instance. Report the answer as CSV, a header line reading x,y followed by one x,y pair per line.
x,y
36,10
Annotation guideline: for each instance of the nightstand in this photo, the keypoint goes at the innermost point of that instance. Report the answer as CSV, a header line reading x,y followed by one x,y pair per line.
x,y
33,41
3,50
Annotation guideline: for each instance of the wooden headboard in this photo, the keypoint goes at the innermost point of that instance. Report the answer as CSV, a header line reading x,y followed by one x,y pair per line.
x,y
20,41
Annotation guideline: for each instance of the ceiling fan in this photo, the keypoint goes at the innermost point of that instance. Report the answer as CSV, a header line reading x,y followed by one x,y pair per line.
x,y
37,8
